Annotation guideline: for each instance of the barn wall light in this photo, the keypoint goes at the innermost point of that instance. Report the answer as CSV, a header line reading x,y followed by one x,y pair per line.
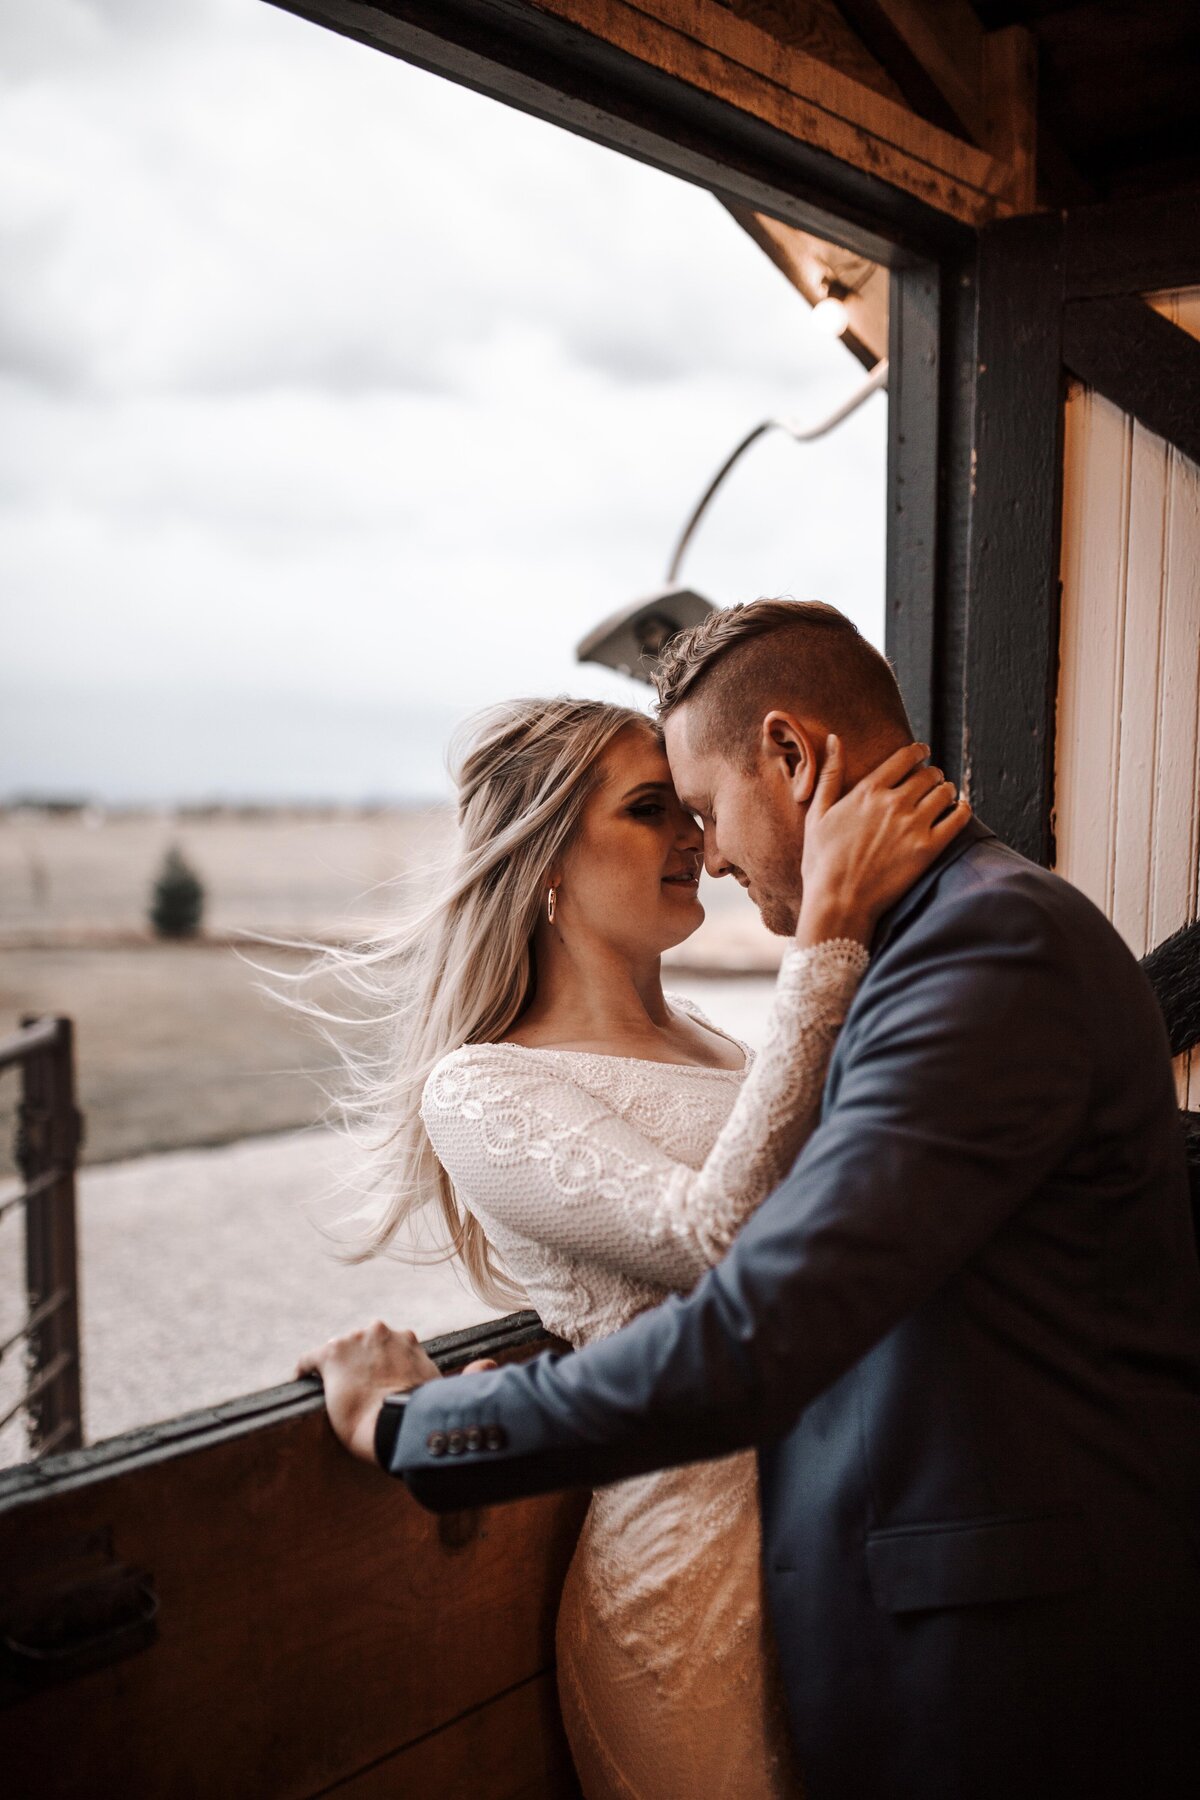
x,y
632,639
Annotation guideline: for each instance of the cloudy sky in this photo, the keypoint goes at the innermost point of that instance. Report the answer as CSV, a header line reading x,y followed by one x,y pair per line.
x,y
338,401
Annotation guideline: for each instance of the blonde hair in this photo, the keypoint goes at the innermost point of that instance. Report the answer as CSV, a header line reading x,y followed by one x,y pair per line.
x,y
461,970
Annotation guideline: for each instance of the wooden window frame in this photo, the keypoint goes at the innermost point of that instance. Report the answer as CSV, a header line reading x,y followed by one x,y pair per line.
x,y
974,433
981,333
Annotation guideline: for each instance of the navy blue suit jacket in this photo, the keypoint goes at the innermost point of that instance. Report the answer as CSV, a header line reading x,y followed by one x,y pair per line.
x,y
964,1333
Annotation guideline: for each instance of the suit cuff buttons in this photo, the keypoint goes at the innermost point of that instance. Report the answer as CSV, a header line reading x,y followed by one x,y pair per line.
x,y
471,1437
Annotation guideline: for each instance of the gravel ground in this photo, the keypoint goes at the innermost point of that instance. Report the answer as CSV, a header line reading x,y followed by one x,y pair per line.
x,y
204,1272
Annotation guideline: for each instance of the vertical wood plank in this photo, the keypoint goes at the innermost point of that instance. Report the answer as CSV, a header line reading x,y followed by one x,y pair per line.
x,y
1139,708
1173,883
1182,307
1095,543
1178,789
1128,784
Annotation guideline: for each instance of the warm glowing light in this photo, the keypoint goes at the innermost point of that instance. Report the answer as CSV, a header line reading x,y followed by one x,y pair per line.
x,y
830,316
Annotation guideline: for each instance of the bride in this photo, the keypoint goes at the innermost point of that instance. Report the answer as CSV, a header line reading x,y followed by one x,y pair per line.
x,y
595,1144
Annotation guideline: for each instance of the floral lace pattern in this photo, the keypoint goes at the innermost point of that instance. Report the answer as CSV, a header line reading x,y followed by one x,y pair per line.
x,y
605,1182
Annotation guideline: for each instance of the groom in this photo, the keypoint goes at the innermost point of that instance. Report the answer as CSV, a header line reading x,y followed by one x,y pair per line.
x,y
964,1332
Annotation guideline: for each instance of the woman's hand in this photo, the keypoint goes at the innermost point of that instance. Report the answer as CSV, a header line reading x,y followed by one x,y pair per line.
x,y
359,1368
864,849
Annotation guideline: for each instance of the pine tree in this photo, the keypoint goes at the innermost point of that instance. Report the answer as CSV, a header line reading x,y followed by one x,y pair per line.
x,y
177,900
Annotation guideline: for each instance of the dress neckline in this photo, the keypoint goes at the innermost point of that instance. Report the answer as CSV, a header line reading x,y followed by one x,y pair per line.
x,y
650,1062
644,1062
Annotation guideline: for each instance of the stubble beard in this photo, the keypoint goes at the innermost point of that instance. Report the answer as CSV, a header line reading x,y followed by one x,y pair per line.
x,y
780,916
783,889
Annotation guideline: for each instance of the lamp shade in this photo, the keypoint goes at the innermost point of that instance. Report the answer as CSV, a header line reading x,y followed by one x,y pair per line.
x,y
632,640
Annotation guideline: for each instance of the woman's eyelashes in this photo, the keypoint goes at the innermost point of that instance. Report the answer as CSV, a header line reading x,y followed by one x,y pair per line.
x,y
655,810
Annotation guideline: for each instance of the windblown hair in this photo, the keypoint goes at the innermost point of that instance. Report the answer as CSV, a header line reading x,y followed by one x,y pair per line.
x,y
461,969
737,664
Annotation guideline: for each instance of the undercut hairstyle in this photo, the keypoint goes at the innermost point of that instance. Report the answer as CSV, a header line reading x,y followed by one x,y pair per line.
x,y
738,664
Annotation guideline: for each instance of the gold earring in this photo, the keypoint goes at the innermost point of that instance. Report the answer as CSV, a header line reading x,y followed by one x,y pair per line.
x,y
550,906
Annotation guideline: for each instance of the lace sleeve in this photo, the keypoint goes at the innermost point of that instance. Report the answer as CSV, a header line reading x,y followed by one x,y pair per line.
x,y
533,1152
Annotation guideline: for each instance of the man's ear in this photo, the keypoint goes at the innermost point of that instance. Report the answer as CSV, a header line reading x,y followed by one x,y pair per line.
x,y
791,749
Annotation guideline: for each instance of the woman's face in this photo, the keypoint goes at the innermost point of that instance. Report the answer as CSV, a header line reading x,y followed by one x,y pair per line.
x,y
631,877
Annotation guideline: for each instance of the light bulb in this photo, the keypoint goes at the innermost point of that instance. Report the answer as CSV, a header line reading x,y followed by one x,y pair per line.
x,y
830,316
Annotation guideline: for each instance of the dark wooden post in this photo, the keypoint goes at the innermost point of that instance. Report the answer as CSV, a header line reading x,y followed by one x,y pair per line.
x,y
914,446
1012,599
1000,464
48,1145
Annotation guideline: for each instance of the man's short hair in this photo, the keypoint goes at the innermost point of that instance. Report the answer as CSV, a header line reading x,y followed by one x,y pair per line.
x,y
801,654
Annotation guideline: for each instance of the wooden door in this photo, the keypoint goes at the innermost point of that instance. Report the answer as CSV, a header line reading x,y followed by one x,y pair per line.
x,y
227,1604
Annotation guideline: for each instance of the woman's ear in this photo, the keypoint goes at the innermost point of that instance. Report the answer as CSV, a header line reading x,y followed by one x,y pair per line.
x,y
791,748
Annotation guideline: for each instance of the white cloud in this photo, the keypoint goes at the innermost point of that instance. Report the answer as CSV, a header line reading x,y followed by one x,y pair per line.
x,y
332,383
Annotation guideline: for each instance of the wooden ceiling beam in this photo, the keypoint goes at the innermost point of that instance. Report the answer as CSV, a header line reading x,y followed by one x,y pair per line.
x,y
691,85
1009,86
711,48
818,28
981,84
933,51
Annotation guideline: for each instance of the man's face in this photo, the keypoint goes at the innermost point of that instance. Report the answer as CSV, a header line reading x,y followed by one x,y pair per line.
x,y
753,821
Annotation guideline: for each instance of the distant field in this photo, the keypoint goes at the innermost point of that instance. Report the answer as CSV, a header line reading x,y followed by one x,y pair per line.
x,y
281,871
284,872
175,1045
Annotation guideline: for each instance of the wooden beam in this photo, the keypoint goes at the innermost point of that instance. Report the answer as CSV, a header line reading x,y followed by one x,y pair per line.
x,y
935,54
804,261
819,29
980,85
914,401
1133,246
1009,86
686,85
958,380
1140,361
709,47
1011,603
1000,464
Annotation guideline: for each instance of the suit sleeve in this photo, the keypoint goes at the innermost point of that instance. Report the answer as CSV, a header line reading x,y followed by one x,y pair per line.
x,y
965,1067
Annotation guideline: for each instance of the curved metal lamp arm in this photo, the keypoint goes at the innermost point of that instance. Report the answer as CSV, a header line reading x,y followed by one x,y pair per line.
x,y
802,435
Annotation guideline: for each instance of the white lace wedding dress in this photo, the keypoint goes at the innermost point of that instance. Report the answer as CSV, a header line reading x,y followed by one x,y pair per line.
x,y
604,1182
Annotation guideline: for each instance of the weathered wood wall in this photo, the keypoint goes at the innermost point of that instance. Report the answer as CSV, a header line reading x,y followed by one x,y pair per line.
x,y
1127,783
227,1605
